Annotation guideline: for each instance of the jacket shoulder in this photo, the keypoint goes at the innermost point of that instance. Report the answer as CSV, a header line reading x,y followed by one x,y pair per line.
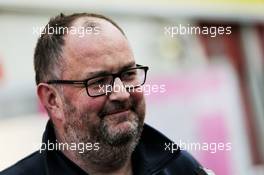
x,y
183,164
30,165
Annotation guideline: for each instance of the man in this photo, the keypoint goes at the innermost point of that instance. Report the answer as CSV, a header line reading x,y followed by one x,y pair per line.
x,y
88,82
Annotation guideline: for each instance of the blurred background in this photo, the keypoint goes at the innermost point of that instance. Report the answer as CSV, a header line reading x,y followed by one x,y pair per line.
x,y
213,84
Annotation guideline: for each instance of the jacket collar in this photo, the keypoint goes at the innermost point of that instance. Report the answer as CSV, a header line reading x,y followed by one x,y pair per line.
x,y
149,156
151,153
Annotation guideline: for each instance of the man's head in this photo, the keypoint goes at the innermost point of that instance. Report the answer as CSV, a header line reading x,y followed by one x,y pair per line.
x,y
114,120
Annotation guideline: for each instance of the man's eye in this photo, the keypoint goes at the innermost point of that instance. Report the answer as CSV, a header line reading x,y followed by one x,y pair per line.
x,y
129,74
99,81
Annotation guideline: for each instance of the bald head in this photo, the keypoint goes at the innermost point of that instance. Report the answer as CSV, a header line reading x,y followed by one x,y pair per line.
x,y
107,48
49,48
104,36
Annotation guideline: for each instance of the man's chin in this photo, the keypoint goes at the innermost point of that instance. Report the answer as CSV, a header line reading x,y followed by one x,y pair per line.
x,y
124,127
121,133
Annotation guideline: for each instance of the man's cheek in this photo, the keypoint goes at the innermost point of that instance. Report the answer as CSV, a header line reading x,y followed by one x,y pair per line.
x,y
94,105
138,100
137,95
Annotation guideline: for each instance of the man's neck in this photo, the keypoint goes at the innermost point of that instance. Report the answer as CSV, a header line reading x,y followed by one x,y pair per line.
x,y
124,170
93,169
105,161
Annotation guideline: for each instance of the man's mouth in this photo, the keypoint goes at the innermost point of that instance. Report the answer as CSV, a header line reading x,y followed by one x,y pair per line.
x,y
119,112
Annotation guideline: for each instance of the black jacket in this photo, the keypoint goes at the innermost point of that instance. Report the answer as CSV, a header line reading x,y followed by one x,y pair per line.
x,y
149,158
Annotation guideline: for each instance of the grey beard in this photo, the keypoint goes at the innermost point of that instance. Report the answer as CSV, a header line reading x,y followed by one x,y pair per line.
x,y
118,139
108,156
114,151
114,148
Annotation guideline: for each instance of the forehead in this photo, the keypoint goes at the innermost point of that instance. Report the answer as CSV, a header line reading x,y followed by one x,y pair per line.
x,y
106,50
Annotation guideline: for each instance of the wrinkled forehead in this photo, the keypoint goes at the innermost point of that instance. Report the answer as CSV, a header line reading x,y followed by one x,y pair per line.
x,y
106,48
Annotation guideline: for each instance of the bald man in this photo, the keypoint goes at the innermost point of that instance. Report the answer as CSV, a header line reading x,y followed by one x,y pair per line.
x,y
89,83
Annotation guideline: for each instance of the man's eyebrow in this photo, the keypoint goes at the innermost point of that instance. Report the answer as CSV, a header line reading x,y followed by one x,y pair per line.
x,y
127,66
104,72
96,73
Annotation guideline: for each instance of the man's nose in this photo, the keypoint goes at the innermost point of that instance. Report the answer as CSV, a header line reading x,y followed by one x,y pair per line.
x,y
119,91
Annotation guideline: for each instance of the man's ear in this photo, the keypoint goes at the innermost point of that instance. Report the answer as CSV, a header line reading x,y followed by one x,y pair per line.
x,y
51,100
